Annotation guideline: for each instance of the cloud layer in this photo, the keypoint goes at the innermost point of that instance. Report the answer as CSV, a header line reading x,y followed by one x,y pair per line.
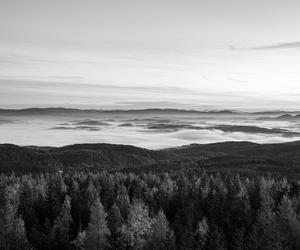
x,y
151,130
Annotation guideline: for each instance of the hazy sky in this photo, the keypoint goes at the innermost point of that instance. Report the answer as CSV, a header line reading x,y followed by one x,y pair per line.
x,y
240,54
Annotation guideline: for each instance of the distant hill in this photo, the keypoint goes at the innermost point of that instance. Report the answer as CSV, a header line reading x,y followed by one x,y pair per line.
x,y
245,156
64,111
25,160
292,149
234,156
169,127
285,117
77,157
255,130
60,111
108,156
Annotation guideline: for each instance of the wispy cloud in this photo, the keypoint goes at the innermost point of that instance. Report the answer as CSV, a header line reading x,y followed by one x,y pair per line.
x,y
289,45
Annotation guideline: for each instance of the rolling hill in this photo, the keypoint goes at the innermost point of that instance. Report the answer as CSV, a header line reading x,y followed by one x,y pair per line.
x,y
236,156
77,157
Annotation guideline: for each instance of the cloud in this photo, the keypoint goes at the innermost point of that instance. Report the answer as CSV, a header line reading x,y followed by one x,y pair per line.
x,y
5,121
87,128
237,80
157,104
90,122
110,95
290,45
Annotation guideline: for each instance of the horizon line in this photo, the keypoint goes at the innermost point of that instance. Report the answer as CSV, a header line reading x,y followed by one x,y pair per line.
x,y
233,111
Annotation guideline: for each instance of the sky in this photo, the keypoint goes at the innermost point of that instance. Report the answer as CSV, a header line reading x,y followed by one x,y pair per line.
x,y
235,54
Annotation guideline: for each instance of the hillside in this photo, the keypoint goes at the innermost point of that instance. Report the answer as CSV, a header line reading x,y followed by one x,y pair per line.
x,y
237,156
25,160
244,156
77,157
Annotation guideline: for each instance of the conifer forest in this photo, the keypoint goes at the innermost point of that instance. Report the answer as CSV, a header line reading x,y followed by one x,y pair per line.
x,y
189,210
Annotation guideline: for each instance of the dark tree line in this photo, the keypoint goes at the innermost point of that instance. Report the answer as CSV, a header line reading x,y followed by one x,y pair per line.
x,y
147,211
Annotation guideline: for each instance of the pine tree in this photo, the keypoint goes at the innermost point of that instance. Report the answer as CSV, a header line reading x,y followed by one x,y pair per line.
x,y
160,238
171,240
15,237
2,215
53,201
269,236
217,239
289,225
61,229
183,189
201,234
97,230
254,240
91,194
123,202
139,225
39,238
183,226
115,224
238,241
26,206
18,238
107,193
79,242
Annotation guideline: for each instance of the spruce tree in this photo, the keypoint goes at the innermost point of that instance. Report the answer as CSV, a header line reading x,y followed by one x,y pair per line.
x,y
79,242
115,224
139,225
217,240
269,235
161,232
238,240
2,215
288,225
97,231
27,204
201,234
15,237
61,228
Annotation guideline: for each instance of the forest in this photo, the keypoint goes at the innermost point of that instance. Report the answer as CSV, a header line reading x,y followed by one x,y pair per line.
x,y
189,210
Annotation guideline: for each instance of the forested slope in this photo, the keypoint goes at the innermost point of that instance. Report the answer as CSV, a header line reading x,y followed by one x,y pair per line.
x,y
238,156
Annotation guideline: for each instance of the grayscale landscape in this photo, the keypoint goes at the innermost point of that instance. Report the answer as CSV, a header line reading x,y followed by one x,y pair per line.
x,y
149,125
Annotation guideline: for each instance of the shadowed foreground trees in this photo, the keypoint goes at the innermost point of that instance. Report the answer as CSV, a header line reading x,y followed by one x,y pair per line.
x,y
97,230
147,211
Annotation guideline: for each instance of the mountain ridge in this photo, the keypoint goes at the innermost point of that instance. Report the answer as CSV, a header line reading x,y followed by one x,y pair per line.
x,y
218,111
285,117
282,157
75,110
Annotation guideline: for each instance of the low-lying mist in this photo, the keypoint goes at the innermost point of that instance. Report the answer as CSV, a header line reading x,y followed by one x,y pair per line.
x,y
144,129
